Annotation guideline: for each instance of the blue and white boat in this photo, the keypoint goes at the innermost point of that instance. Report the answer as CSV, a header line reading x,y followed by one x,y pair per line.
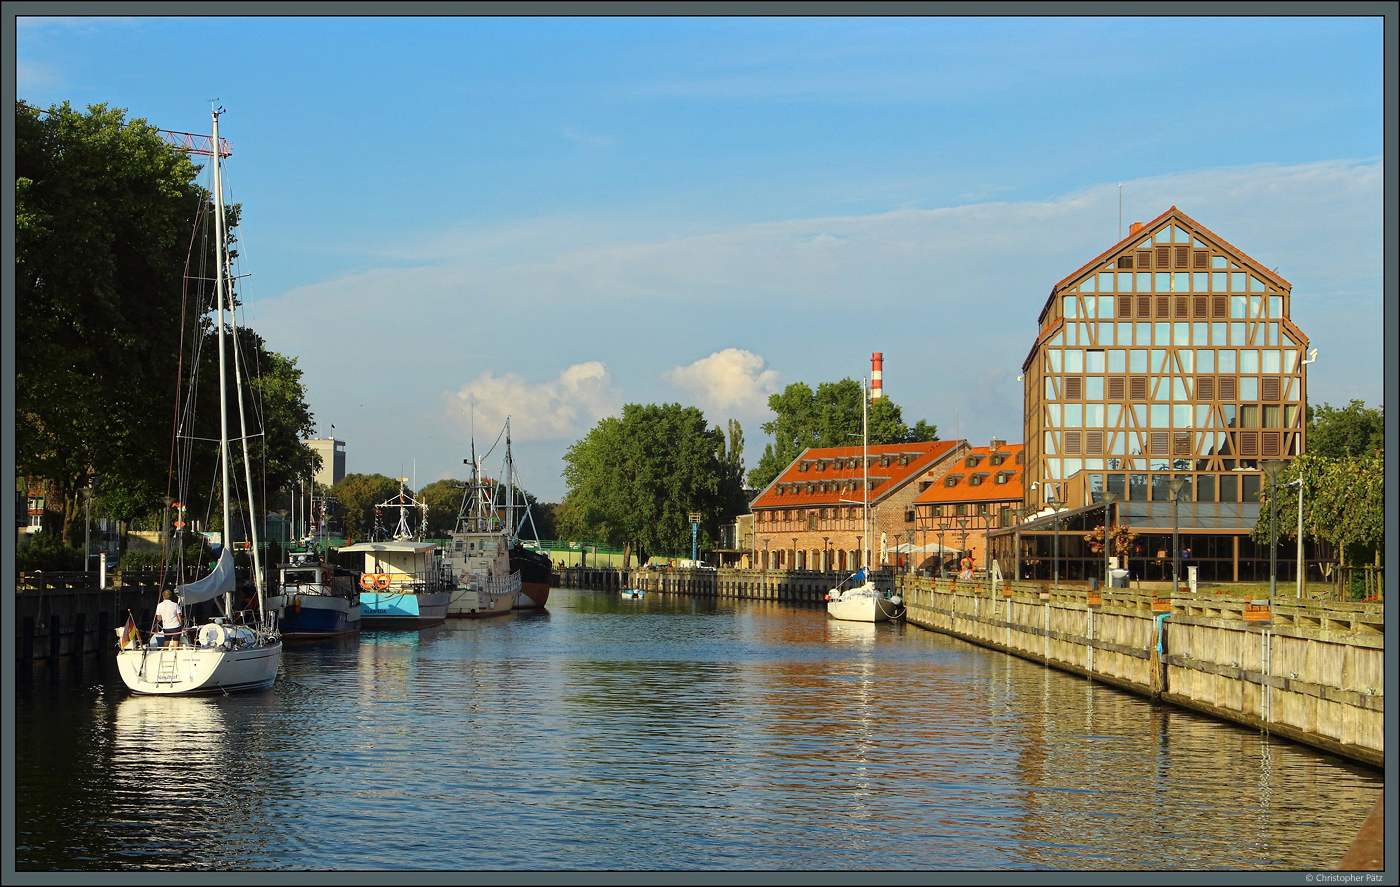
x,y
404,582
632,592
315,599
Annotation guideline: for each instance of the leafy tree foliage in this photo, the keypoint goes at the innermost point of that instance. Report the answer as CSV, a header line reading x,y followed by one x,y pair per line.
x,y
356,496
103,215
828,417
1352,430
633,480
444,501
1343,504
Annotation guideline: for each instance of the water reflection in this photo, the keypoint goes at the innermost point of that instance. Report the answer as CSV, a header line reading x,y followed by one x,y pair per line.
x,y
607,734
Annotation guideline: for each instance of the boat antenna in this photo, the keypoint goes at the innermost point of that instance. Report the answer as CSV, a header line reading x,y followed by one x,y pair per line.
x,y
865,469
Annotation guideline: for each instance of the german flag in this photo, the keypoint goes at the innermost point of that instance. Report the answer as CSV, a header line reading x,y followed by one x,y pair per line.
x,y
127,634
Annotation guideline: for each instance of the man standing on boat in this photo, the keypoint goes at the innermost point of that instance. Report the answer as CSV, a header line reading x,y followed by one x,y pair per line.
x,y
171,622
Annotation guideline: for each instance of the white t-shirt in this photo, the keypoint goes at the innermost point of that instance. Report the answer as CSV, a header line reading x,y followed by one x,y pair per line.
x,y
168,612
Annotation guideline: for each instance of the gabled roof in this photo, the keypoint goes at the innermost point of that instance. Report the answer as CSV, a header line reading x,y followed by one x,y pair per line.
x,y
961,482
1172,215
826,476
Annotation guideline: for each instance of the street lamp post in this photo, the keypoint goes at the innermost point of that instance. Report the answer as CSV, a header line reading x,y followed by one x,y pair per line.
x,y
826,563
1056,504
87,525
1107,499
962,546
1298,482
1176,484
765,558
793,565
943,524
1271,469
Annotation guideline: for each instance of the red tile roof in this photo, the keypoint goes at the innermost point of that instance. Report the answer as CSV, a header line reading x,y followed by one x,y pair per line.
x,y
825,476
961,476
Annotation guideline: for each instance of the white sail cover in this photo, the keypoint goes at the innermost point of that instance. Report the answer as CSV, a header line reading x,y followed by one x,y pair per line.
x,y
211,586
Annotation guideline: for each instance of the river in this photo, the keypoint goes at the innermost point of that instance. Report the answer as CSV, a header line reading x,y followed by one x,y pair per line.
x,y
667,733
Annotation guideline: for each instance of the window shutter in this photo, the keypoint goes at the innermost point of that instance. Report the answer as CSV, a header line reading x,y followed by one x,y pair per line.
x,y
1115,387
1144,306
1201,307
1093,443
1074,387
1159,443
1181,306
1218,306
1268,387
1072,443
1137,388
1205,388
1226,387
1183,254
1125,306
1164,256
1269,443
1181,443
1164,306
1144,258
1249,443
1199,258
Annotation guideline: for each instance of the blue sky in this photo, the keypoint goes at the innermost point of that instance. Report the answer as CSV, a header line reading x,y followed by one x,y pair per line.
x,y
450,220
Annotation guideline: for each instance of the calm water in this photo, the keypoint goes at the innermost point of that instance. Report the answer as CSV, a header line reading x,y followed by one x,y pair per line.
x,y
666,733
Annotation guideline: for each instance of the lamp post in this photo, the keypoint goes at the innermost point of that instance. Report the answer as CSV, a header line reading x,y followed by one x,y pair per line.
x,y
1020,512
793,565
1176,485
1107,499
1271,469
826,563
87,525
1298,482
943,523
765,557
1056,505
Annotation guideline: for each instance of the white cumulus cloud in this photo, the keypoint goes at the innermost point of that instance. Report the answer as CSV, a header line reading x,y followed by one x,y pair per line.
x,y
564,407
729,381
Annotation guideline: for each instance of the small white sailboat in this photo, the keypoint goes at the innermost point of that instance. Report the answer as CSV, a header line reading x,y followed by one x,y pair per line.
x,y
240,650
863,602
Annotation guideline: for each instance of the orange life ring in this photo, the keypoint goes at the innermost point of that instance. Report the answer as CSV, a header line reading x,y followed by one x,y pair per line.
x,y
367,581
381,581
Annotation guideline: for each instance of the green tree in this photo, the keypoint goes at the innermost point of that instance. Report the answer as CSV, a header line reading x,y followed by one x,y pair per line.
x,y
1353,430
356,497
828,417
633,481
103,215
444,501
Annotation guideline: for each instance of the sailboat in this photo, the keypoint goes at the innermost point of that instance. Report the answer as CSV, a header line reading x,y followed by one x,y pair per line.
x,y
405,582
863,602
478,554
241,649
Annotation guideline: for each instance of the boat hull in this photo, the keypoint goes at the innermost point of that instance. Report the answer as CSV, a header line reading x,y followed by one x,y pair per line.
x,y
303,617
477,603
535,569
188,670
863,604
398,609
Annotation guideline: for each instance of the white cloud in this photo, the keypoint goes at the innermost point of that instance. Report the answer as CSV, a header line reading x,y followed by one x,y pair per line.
x,y
565,407
732,381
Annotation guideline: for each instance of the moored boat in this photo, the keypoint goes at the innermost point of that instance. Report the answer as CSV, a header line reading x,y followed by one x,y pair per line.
x,y
404,582
240,649
477,554
863,602
315,599
634,593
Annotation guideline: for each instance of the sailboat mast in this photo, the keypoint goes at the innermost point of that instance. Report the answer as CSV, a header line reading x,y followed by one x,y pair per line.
x,y
219,287
510,486
247,464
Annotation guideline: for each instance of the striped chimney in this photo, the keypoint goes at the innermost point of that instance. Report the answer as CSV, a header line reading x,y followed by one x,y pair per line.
x,y
877,361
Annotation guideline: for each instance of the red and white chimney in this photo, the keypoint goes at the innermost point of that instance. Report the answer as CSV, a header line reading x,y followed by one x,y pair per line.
x,y
877,362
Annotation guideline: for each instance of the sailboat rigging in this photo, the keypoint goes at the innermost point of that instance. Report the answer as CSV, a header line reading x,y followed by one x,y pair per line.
x,y
240,649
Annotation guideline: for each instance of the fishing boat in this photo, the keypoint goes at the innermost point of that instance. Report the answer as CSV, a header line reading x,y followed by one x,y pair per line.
x,y
478,554
315,599
863,602
633,593
240,649
404,582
